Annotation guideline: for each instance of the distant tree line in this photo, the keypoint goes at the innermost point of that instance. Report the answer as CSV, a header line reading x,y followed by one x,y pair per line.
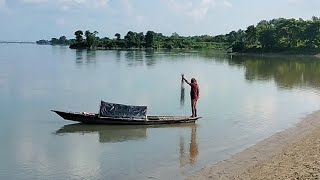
x,y
135,40
54,41
276,35
151,40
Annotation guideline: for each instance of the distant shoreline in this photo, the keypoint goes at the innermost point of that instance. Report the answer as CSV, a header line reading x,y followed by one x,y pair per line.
x,y
16,42
269,54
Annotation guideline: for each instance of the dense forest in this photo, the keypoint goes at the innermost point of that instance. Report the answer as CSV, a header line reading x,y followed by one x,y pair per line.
x,y
276,35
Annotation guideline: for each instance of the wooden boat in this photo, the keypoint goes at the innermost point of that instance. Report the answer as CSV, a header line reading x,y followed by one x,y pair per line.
x,y
112,113
92,118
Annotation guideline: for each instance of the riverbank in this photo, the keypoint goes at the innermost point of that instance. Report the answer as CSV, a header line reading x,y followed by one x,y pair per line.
x,y
220,49
269,54
290,154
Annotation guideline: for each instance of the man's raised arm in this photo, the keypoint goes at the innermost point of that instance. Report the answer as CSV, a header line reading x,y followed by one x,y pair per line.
x,y
185,79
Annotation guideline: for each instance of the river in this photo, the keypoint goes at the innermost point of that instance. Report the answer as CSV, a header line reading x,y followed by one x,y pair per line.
x,y
243,100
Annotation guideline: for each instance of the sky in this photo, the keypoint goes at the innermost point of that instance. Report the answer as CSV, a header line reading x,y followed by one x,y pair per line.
x,y
31,20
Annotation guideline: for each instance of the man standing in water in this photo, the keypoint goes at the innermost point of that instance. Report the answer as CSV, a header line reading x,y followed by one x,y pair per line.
x,y
194,93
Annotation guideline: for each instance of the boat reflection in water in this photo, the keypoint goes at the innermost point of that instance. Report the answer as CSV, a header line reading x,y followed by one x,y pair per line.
x,y
124,133
107,134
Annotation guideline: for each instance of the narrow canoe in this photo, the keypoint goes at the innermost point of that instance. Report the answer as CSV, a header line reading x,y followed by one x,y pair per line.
x,y
92,118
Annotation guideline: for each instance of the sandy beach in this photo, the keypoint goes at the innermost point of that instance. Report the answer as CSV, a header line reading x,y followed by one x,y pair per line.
x,y
290,154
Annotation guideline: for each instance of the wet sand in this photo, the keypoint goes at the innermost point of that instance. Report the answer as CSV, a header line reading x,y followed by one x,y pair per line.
x,y
290,154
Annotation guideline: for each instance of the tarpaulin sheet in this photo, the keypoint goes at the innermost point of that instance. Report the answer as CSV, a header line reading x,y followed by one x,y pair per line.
x,y
122,111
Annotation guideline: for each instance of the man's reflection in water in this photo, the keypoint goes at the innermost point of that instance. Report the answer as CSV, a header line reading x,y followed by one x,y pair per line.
x,y
193,149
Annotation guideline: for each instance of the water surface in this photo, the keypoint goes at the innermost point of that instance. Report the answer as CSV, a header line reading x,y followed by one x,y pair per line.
x,y
243,100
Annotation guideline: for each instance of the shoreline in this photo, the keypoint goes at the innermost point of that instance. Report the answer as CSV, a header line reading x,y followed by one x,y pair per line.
x,y
275,55
268,54
291,153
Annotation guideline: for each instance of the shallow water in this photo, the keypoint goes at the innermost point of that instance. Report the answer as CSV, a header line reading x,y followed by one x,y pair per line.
x,y
242,101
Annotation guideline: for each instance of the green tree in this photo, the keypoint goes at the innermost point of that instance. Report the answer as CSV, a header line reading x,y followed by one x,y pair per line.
x,y
231,37
131,39
150,39
175,35
140,40
238,46
54,41
118,36
266,34
251,35
63,40
91,38
267,38
311,33
78,35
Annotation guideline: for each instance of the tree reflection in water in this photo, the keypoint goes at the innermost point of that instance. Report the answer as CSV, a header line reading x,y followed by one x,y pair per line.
x,y
288,72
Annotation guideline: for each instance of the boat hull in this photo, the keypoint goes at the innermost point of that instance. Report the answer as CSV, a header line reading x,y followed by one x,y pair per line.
x,y
151,120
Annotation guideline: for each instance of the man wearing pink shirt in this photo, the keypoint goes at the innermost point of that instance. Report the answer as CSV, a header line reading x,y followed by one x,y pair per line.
x,y
194,94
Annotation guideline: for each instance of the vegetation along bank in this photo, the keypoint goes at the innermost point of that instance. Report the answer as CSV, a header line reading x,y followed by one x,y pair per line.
x,y
284,36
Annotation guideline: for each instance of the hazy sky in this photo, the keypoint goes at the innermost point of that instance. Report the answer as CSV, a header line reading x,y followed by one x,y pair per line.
x,y
32,20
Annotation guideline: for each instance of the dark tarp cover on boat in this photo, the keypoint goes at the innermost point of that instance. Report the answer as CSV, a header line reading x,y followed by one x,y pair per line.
x,y
122,111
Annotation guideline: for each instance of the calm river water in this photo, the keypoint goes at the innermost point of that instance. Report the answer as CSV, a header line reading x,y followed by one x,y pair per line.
x,y
243,100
